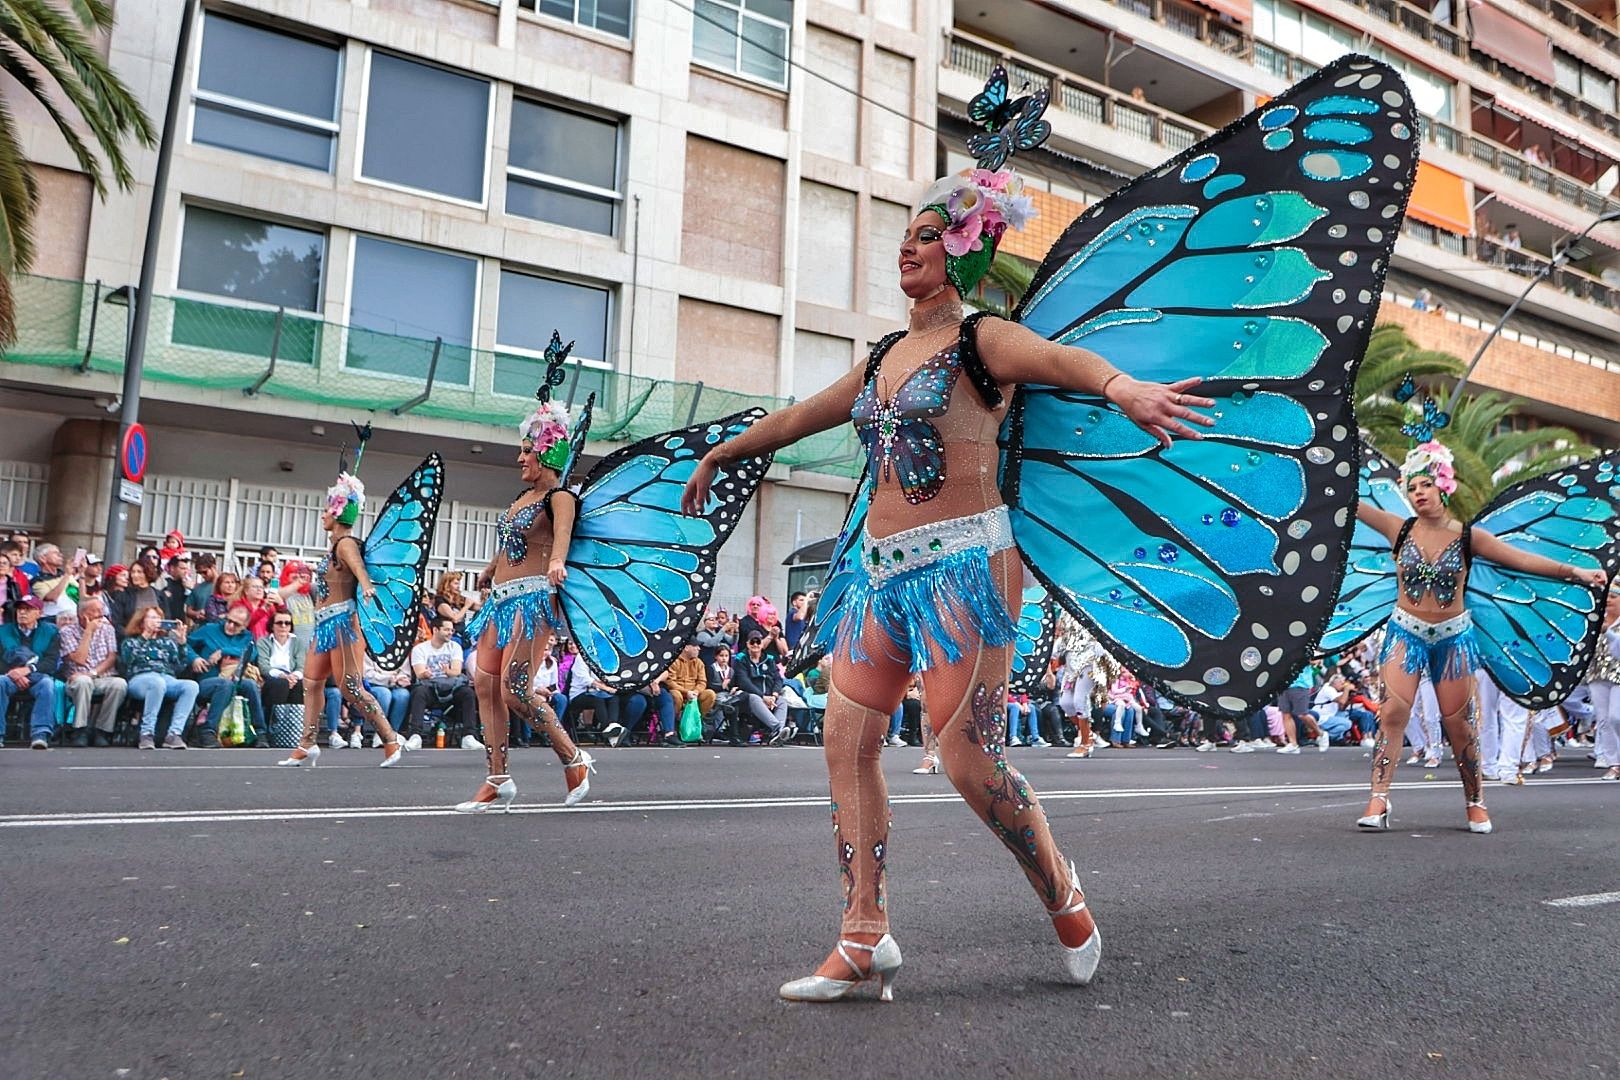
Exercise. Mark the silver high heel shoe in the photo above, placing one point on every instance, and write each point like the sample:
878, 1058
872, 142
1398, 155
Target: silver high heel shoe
312, 757
580, 760
1079, 963
1478, 826
505, 794
1376, 821
885, 965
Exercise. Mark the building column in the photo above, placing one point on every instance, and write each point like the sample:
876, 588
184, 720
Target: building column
83, 460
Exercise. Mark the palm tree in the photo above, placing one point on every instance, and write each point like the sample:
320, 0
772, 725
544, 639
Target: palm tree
47, 47
1391, 356
1011, 275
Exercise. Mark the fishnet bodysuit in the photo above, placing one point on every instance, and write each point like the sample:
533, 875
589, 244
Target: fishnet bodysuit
346, 663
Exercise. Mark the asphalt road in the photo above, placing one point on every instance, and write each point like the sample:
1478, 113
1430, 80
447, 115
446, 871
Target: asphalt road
204, 915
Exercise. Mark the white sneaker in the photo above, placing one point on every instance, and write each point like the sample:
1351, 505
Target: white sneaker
356, 741
1010, 742
412, 743
1041, 743
1602, 764
895, 740
336, 742
468, 742
613, 733
1368, 743
1291, 748
1242, 748
376, 741
1322, 742
1206, 747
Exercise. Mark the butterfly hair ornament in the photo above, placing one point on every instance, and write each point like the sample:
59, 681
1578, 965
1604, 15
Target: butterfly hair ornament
546, 429
347, 494
979, 205
1429, 456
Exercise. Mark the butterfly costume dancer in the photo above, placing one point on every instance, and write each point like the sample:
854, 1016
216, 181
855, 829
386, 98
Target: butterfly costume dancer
615, 566
1528, 612
1253, 263
366, 592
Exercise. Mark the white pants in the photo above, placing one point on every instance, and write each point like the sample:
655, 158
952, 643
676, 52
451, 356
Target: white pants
1490, 731
1076, 700
1512, 724
1606, 721
1541, 724
1423, 728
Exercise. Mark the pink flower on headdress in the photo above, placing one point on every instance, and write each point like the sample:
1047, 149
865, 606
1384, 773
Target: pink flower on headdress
546, 426
347, 489
1434, 460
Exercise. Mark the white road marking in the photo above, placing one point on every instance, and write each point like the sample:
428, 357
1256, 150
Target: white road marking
1589, 900
643, 806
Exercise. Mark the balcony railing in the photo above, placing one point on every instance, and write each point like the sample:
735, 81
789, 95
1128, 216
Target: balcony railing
1583, 23
1196, 23
1076, 96
1567, 279
1515, 166
265, 360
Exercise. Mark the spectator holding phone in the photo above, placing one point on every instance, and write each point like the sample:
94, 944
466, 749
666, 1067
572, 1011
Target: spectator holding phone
56, 585
152, 659
28, 654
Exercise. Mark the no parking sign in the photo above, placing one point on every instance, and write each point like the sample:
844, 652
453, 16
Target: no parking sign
132, 459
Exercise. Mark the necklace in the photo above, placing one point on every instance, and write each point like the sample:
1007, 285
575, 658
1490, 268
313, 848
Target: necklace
934, 318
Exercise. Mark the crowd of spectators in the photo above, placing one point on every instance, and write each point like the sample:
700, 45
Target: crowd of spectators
94, 654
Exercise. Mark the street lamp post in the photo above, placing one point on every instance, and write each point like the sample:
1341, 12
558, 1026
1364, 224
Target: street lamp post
141, 300
1540, 275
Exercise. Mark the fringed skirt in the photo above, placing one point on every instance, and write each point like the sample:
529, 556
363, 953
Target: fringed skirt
930, 591
1446, 650
335, 626
529, 597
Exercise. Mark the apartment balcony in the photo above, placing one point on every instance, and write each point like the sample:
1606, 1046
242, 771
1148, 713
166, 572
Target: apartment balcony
1087, 118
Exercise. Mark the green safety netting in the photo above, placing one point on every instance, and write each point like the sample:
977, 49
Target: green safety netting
72, 324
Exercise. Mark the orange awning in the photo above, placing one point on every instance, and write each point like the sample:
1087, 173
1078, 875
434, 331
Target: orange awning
1054, 214
1440, 198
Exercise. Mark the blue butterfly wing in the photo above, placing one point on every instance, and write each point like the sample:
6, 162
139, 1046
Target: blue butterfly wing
1037, 630
1255, 261
831, 606
987, 104
1536, 635
1368, 591
396, 554
639, 571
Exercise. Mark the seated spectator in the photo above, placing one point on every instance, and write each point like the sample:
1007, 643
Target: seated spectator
225, 647
722, 680
226, 586
711, 637
134, 596
1019, 708
262, 605
149, 558
660, 703
1330, 707
1124, 710
760, 680
908, 714
545, 688
441, 681
268, 554
588, 695
176, 586
205, 570
392, 689
449, 601
57, 583
174, 545
28, 653
152, 659
13, 587
688, 680
24, 559
280, 657
89, 670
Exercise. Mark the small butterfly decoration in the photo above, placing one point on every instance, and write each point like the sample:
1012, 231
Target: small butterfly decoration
1406, 391
1423, 428
1010, 124
556, 354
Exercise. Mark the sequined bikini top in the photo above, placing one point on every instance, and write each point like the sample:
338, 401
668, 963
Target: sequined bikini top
898, 432
512, 530
1418, 575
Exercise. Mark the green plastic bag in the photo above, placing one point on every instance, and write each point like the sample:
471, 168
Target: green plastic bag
690, 728
235, 729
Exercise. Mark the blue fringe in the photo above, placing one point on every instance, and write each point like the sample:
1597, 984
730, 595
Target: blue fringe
942, 606
534, 607
335, 630
1449, 658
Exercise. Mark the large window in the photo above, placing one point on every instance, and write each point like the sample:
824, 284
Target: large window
426, 128
564, 167
1321, 42
609, 16
266, 93
401, 299
259, 263
531, 307
744, 37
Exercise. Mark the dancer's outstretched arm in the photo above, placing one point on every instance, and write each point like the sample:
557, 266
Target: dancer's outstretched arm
1385, 522
1014, 353
784, 427
1488, 546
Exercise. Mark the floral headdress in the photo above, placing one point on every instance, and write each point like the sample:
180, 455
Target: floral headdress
345, 497
978, 206
1429, 456
546, 429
